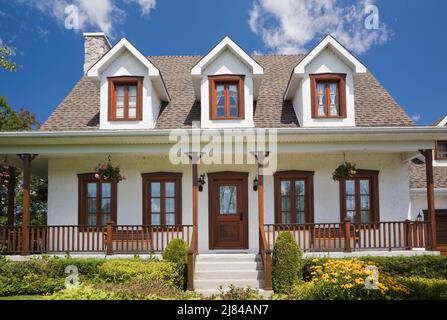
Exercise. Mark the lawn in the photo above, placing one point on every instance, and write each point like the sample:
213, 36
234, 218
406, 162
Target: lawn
35, 297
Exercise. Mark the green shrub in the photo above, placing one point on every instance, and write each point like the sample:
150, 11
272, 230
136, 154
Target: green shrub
235, 293
150, 270
347, 279
83, 293
176, 251
287, 268
426, 289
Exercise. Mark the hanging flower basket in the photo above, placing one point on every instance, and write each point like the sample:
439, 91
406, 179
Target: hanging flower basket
8, 172
202, 182
106, 172
345, 171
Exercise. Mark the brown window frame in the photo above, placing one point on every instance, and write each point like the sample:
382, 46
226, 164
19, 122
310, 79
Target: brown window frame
373, 177
125, 81
295, 175
327, 78
83, 180
162, 177
437, 157
227, 80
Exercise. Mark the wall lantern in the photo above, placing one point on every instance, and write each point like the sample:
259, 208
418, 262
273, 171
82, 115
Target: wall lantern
419, 217
201, 182
255, 184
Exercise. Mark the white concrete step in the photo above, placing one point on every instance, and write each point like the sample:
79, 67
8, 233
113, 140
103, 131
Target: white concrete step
228, 257
228, 266
210, 292
215, 284
228, 275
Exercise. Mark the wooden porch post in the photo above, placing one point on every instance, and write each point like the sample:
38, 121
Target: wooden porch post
430, 195
195, 195
26, 158
11, 201
260, 158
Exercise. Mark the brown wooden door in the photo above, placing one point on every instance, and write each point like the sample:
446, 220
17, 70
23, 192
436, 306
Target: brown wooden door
228, 210
441, 225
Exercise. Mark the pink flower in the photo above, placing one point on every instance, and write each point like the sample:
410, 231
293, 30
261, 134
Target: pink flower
97, 175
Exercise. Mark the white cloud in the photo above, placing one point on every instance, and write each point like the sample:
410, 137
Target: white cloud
416, 117
145, 5
94, 15
290, 26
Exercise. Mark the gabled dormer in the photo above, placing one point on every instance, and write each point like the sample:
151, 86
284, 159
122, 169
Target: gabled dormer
131, 88
321, 86
226, 82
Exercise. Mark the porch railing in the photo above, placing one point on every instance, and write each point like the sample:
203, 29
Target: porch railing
110, 239
347, 236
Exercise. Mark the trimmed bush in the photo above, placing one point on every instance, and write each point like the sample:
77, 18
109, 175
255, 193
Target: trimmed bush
287, 268
347, 279
426, 289
118, 271
177, 252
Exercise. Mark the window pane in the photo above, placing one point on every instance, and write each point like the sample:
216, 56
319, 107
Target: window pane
91, 190
106, 217
285, 188
155, 189
120, 113
285, 203
170, 218
300, 203
170, 189
220, 95
233, 100
228, 199
106, 190
220, 112
132, 113
299, 187
365, 203
105, 205
286, 218
120, 102
365, 216
170, 205
91, 219
334, 99
321, 99
132, 91
442, 150
91, 205
350, 202
350, 215
155, 219
155, 205
350, 187
364, 187
300, 219
119, 91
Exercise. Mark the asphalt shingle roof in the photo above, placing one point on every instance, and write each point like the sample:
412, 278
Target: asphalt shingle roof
373, 104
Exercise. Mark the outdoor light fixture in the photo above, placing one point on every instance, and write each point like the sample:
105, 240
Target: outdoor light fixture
255, 184
419, 217
202, 182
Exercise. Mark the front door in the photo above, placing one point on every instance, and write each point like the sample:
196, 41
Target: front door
228, 210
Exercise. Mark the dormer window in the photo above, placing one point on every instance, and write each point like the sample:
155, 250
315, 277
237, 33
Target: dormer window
226, 97
328, 92
125, 98
441, 150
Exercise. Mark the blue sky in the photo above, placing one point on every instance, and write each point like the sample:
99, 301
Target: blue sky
406, 53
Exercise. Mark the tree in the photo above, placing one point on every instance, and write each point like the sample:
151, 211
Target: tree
11, 120
5, 62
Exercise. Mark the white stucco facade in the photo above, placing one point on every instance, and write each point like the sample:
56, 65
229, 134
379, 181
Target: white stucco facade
394, 193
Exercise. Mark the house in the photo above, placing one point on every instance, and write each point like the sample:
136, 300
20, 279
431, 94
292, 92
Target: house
419, 197
225, 151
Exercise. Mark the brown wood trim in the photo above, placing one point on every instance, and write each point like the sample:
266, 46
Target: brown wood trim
437, 157
123, 80
162, 177
307, 176
373, 176
85, 178
239, 79
227, 176
333, 77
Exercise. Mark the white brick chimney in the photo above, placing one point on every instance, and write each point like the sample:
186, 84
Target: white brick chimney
96, 44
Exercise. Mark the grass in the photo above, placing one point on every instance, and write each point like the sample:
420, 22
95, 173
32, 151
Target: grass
23, 298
